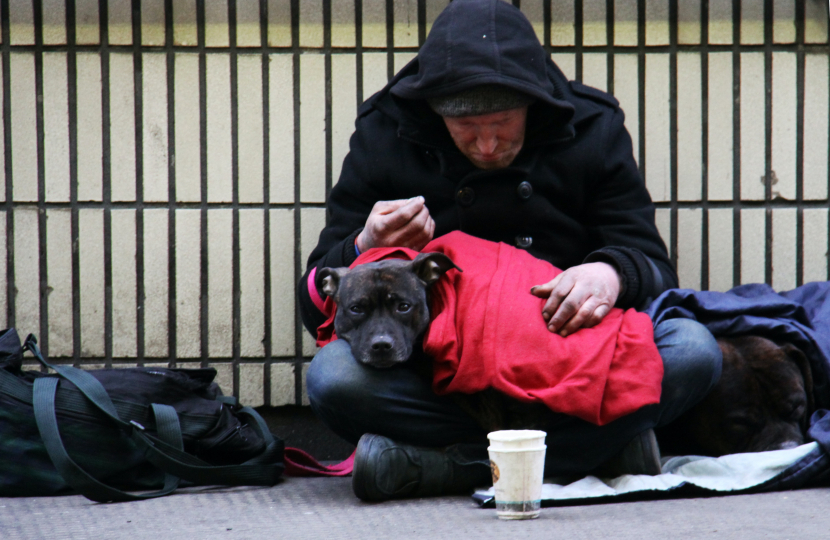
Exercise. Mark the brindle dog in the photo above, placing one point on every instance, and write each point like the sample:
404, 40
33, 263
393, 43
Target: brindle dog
382, 306
382, 311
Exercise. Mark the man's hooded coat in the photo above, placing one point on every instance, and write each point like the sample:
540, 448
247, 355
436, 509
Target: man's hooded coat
572, 195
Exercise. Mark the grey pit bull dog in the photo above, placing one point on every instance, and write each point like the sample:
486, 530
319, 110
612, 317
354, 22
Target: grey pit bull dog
382, 306
382, 310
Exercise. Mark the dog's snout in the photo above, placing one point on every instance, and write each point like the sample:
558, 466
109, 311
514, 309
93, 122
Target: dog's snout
381, 344
788, 444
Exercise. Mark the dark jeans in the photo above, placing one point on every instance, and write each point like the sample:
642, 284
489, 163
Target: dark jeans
353, 399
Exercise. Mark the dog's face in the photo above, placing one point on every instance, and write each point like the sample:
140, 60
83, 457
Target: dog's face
762, 402
382, 306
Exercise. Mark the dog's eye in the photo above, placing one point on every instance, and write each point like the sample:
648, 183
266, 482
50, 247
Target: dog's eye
403, 307
745, 423
796, 410
356, 309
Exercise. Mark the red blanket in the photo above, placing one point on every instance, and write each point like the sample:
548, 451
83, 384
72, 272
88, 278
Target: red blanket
487, 331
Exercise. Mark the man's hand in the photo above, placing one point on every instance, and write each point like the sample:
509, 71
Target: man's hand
401, 223
579, 297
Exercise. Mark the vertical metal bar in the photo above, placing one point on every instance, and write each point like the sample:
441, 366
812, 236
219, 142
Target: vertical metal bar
138, 82
328, 97
422, 21
266, 196
641, 80
390, 39
103, 8
578, 38
7, 148
609, 40
673, 22
298, 262
203, 206
547, 22
799, 143
736, 141
171, 181
235, 285
41, 180
827, 275
704, 144
72, 94
768, 172
358, 48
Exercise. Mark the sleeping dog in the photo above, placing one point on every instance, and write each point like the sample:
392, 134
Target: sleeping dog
763, 401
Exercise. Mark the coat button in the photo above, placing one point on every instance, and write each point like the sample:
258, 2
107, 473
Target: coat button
525, 190
465, 196
524, 242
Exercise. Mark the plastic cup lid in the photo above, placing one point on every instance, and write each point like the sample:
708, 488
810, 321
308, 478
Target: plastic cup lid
516, 439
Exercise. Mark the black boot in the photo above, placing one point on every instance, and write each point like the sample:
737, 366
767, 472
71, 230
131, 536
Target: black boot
640, 456
384, 469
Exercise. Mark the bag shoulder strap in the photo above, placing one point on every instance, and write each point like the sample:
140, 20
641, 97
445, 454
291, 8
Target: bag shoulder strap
300, 463
81, 481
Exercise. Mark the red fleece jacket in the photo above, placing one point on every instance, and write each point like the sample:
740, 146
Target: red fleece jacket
487, 331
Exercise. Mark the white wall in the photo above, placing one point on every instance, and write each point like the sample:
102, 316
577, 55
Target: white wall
165, 177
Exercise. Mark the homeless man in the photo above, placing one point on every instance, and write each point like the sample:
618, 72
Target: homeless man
482, 133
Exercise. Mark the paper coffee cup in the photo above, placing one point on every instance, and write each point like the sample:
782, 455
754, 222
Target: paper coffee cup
517, 460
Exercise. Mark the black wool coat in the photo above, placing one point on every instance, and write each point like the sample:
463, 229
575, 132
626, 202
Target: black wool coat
573, 194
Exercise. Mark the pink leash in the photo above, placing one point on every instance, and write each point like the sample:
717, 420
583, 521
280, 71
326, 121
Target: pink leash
300, 463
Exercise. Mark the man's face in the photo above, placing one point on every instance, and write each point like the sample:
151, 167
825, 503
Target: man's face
490, 141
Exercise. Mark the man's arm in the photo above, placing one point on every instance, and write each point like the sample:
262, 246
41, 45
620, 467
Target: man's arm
622, 217
363, 212
633, 266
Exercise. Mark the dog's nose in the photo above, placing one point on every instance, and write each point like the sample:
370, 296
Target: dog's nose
381, 344
788, 444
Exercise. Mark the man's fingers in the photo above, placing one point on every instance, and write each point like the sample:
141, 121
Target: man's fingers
413, 232
560, 290
387, 207
401, 216
419, 220
563, 313
544, 290
598, 315
430, 227
589, 315
426, 235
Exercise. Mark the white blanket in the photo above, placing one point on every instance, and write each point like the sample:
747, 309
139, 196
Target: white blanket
735, 472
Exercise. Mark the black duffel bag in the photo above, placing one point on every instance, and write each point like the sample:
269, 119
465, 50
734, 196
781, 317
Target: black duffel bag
101, 432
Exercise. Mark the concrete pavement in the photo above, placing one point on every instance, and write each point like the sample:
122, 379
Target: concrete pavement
325, 508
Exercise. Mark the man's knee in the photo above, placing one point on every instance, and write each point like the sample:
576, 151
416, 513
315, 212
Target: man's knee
688, 345
334, 376
691, 364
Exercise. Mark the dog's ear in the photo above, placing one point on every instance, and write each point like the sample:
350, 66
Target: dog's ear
800, 359
429, 267
327, 280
